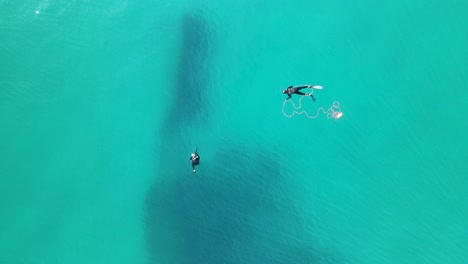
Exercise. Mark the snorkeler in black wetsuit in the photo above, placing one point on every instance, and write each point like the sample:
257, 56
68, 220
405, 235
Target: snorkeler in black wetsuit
195, 159
295, 90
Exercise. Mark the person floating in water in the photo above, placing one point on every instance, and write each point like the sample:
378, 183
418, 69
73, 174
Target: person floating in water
296, 90
195, 160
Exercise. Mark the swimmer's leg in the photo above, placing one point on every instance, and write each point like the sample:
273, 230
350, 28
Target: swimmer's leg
302, 87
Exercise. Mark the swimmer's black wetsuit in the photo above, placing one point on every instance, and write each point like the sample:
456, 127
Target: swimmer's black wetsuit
295, 90
195, 160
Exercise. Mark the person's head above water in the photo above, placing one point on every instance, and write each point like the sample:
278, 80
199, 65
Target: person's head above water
284, 91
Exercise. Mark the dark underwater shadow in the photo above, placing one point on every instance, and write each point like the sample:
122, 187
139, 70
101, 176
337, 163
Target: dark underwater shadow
240, 210
242, 213
193, 72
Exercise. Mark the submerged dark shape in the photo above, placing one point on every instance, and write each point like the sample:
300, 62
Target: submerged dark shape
240, 214
191, 88
192, 80
240, 210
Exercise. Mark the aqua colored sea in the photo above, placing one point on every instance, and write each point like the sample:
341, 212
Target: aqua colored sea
102, 103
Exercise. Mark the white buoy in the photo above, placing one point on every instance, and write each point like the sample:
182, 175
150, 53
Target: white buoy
37, 12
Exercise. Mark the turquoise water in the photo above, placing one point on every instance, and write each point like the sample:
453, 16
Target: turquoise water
102, 103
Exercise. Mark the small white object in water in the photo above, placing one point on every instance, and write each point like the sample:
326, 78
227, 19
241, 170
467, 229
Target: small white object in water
37, 12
